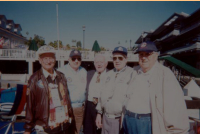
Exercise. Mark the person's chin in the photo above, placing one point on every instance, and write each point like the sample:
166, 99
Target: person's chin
118, 68
117, 65
145, 64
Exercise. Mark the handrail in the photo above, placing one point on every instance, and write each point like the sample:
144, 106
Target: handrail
13, 82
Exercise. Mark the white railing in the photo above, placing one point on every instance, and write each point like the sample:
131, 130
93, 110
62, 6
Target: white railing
17, 54
20, 54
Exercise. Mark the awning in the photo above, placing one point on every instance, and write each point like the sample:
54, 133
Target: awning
195, 72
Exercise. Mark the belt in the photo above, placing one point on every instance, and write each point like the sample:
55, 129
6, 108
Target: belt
129, 113
112, 116
77, 104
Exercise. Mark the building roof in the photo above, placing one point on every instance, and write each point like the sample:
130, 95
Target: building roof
10, 21
2, 16
193, 17
18, 26
165, 27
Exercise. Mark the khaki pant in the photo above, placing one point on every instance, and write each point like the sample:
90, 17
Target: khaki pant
110, 126
78, 114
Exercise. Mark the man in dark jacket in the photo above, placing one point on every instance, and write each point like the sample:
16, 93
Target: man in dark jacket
94, 81
48, 107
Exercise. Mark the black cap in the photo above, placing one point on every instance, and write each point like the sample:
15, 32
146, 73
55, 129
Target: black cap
121, 50
75, 53
147, 46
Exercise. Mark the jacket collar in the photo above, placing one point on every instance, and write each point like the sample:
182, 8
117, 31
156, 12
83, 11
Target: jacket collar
153, 71
44, 80
46, 74
148, 72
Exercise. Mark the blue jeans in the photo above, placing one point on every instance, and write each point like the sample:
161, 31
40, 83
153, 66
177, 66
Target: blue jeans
132, 125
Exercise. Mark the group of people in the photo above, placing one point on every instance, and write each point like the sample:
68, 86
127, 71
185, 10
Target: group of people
146, 99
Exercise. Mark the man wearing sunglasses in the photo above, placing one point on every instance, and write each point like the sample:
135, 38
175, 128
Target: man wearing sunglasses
48, 106
155, 102
76, 81
113, 93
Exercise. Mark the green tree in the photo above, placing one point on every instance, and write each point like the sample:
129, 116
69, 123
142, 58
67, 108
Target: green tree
102, 49
68, 47
38, 39
78, 44
55, 44
28, 42
79, 48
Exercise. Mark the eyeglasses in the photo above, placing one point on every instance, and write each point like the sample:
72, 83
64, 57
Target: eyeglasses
50, 59
74, 59
119, 58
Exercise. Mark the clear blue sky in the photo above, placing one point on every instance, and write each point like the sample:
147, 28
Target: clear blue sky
106, 22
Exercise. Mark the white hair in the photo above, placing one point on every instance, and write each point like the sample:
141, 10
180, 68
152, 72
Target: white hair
101, 55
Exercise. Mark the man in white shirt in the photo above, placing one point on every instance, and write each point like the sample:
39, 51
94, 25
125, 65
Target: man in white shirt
155, 102
113, 93
95, 79
76, 81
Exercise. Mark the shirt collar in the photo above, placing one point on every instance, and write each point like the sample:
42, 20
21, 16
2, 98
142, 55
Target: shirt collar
46, 74
71, 69
102, 72
122, 70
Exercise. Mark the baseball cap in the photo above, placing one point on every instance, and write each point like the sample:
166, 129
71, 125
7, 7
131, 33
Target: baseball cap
75, 53
121, 50
147, 46
46, 49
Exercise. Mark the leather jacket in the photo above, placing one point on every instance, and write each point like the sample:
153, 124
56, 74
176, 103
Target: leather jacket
37, 100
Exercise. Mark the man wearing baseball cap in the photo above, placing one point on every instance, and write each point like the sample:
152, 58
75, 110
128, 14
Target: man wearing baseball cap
112, 97
48, 106
155, 102
76, 81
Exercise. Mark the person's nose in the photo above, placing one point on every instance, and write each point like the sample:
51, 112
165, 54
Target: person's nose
117, 60
144, 57
48, 60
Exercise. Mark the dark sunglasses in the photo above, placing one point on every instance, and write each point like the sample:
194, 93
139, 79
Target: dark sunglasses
73, 59
119, 58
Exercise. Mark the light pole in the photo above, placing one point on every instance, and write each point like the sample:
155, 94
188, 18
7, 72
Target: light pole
130, 44
59, 62
83, 35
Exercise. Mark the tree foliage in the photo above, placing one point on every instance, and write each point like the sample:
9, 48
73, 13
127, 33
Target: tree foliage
55, 44
102, 49
68, 47
78, 44
38, 39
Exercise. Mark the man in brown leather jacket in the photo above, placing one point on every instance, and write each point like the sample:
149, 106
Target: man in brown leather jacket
48, 107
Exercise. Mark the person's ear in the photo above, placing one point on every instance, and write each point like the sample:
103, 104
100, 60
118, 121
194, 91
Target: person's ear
40, 60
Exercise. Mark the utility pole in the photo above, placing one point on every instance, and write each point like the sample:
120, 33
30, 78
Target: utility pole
83, 36
57, 35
